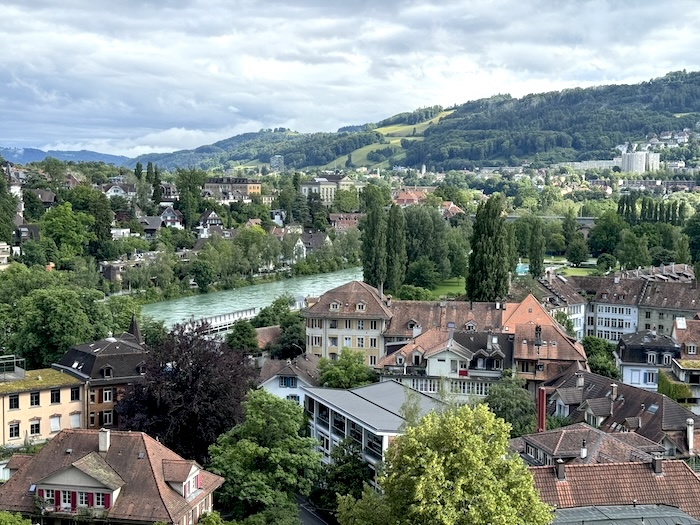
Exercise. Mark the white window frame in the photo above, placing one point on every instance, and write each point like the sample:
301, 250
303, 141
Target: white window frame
55, 423
107, 395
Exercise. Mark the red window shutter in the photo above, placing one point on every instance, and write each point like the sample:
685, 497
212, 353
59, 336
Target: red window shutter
40, 493
57, 498
107, 498
199, 482
73, 500
91, 499
99, 396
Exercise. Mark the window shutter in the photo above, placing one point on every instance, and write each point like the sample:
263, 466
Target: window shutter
99, 396
73, 500
91, 499
57, 498
199, 481
107, 498
40, 493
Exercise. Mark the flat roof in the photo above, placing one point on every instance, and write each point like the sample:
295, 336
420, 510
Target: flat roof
624, 515
38, 380
378, 405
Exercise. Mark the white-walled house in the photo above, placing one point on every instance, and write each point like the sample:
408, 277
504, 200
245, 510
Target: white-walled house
286, 378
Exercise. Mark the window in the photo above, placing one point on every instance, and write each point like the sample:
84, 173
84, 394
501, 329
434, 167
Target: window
294, 398
667, 359
82, 499
333, 341
108, 418
416, 359
348, 324
75, 393
373, 342
14, 430
651, 358
480, 363
360, 307
333, 323
333, 356
400, 360
55, 423
360, 324
34, 399
107, 395
49, 496
647, 326
75, 420
453, 366
360, 342
55, 396
348, 342
497, 364
14, 401
372, 360
107, 371
288, 382
92, 395
650, 377
691, 349
35, 427
316, 340
99, 499
661, 327
373, 325
92, 419
647, 315
334, 306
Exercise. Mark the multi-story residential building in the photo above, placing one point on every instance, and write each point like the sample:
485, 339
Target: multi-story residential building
662, 302
352, 316
277, 163
37, 404
221, 186
640, 162
612, 309
327, 185
126, 478
641, 355
287, 378
106, 368
560, 296
459, 364
370, 415
685, 370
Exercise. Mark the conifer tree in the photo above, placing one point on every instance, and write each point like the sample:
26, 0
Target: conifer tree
537, 246
374, 247
487, 275
396, 258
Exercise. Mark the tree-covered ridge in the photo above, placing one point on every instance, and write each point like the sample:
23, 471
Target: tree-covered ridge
573, 124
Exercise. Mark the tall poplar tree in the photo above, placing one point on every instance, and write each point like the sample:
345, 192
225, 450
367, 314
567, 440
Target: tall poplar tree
374, 247
396, 258
487, 275
537, 246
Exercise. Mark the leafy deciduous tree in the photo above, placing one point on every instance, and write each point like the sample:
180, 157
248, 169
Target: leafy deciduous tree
348, 371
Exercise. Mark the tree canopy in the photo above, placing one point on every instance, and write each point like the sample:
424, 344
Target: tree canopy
453, 468
348, 371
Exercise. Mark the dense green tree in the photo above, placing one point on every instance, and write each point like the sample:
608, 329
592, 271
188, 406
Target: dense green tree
68, 229
374, 246
203, 274
422, 273
265, 458
149, 172
97, 206
456, 469
157, 194
600, 356
348, 371
692, 230
33, 207
565, 321
346, 201
396, 257
683, 250
577, 252
487, 277
192, 393
537, 247
606, 234
510, 400
292, 337
273, 314
632, 251
409, 292
242, 337
569, 227
138, 171
189, 184
606, 262
10, 518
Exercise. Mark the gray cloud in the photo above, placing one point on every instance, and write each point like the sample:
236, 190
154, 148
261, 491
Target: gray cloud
135, 76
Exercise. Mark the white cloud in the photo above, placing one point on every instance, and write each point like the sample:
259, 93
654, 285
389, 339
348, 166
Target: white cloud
131, 77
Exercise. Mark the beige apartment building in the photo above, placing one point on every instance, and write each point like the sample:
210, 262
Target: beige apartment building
36, 404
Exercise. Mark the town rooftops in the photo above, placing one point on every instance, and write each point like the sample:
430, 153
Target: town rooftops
353, 299
133, 461
610, 290
619, 484
623, 515
674, 295
378, 406
304, 367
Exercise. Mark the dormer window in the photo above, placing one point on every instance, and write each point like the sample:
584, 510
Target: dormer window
413, 324
416, 359
470, 326
335, 306
651, 358
667, 359
691, 349
400, 360
107, 371
360, 307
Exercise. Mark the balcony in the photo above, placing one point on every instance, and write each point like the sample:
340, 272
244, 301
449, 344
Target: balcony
399, 370
322, 420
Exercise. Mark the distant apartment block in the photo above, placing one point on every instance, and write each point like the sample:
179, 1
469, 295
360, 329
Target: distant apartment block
327, 185
640, 162
223, 186
277, 163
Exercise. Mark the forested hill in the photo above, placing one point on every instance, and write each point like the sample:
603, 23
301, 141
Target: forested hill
574, 124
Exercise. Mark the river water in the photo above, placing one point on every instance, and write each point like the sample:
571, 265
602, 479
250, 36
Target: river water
259, 295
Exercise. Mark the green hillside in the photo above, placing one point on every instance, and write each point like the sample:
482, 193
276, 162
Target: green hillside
568, 125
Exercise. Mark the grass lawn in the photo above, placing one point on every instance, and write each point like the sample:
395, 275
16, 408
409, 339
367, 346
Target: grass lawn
406, 130
451, 287
577, 271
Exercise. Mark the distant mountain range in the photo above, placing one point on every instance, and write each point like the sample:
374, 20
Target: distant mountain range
569, 125
25, 155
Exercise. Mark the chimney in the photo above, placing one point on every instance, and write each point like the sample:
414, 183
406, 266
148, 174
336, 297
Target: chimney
690, 434
549, 277
579, 380
617, 279
584, 450
656, 465
541, 409
103, 440
613, 393
559, 470
388, 301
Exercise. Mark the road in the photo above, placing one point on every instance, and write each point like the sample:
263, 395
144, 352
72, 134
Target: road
306, 513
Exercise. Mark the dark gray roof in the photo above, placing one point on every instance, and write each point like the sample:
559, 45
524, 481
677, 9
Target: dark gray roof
633, 348
624, 515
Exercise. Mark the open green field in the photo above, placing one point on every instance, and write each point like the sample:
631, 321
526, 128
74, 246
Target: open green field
576, 271
359, 156
451, 287
406, 130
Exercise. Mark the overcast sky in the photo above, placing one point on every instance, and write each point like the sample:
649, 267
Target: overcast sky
131, 77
